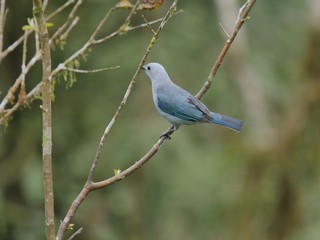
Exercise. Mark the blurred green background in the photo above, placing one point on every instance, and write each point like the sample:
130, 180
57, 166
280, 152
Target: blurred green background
207, 182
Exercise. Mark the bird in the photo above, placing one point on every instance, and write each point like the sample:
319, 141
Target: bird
179, 106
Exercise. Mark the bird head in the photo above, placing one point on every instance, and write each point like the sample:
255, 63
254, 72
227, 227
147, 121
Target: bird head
155, 72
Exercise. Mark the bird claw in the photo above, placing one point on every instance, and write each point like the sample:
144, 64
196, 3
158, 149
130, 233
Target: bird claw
167, 133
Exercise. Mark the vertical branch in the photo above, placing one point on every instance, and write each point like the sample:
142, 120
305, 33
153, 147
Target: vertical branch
2, 22
22, 94
46, 118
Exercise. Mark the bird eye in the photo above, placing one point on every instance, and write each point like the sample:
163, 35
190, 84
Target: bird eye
148, 68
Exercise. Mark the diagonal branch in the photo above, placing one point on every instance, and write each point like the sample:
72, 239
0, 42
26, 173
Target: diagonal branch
242, 17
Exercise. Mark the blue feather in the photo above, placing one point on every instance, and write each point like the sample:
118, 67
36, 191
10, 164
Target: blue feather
226, 121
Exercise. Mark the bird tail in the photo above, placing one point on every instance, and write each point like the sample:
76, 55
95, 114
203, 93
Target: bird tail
226, 121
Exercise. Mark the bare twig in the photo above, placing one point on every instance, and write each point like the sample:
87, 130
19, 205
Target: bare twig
224, 30
22, 93
46, 117
76, 234
69, 21
67, 31
242, 16
90, 185
3, 13
59, 9
90, 71
148, 24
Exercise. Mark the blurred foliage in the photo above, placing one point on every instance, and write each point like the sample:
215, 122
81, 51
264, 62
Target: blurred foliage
207, 182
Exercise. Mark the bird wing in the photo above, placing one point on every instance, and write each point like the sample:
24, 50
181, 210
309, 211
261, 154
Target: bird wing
183, 105
199, 105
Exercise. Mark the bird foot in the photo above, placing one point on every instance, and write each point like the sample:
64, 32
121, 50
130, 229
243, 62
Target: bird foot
167, 133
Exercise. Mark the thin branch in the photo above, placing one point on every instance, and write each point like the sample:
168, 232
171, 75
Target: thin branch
22, 93
148, 24
224, 30
137, 165
71, 26
59, 9
69, 21
90, 71
90, 185
152, 22
242, 17
10, 95
76, 234
3, 13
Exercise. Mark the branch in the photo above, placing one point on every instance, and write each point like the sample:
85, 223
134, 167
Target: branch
3, 13
90, 71
59, 9
90, 185
68, 22
242, 17
46, 118
76, 234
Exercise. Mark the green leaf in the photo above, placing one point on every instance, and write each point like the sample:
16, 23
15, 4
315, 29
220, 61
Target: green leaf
27, 27
49, 24
116, 171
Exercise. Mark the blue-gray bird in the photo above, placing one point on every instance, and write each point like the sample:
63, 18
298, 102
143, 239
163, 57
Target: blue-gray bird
179, 106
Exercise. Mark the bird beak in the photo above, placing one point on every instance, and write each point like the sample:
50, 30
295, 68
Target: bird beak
144, 68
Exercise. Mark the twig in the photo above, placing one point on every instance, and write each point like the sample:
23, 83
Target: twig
224, 30
152, 22
90, 185
46, 118
242, 16
3, 13
76, 234
22, 93
90, 71
67, 23
59, 9
13, 89
71, 26
148, 24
